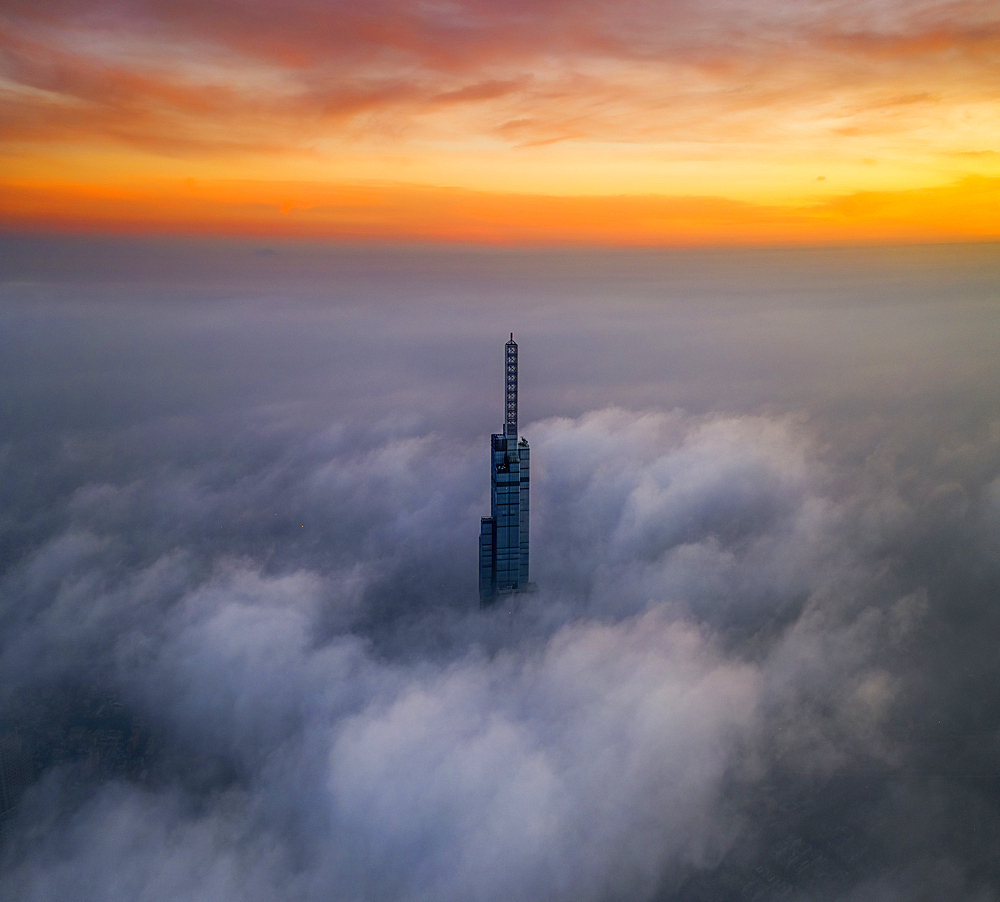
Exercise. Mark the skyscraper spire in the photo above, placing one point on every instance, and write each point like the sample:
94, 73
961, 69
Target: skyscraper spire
503, 536
510, 423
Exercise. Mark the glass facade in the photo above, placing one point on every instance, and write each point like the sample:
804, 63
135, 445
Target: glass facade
503, 536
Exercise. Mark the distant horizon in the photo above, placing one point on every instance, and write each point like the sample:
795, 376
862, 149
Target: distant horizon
952, 214
267, 241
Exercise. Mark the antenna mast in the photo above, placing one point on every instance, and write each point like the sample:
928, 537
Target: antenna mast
510, 425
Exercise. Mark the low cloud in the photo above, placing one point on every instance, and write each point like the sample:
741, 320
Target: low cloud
698, 623
244, 649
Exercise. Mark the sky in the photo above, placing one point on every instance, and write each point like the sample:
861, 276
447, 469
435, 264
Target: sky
241, 643
528, 122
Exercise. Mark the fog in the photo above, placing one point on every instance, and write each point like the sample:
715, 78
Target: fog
242, 655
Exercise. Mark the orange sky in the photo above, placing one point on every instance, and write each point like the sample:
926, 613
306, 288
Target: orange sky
539, 121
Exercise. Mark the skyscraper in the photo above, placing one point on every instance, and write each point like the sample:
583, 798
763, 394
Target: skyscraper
503, 536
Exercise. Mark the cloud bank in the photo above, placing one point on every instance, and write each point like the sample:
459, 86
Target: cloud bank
243, 643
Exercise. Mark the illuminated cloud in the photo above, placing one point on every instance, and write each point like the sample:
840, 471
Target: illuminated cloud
749, 103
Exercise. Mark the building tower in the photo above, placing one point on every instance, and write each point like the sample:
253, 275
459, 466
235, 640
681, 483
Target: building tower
503, 536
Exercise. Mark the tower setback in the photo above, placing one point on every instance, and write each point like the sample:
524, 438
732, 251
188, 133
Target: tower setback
503, 536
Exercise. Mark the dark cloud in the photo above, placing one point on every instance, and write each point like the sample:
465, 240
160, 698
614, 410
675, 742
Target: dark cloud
240, 642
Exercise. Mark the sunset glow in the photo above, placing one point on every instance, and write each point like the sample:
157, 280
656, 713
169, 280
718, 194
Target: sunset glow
531, 121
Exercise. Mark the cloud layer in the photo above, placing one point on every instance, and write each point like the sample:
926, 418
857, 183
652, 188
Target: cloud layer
240, 634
